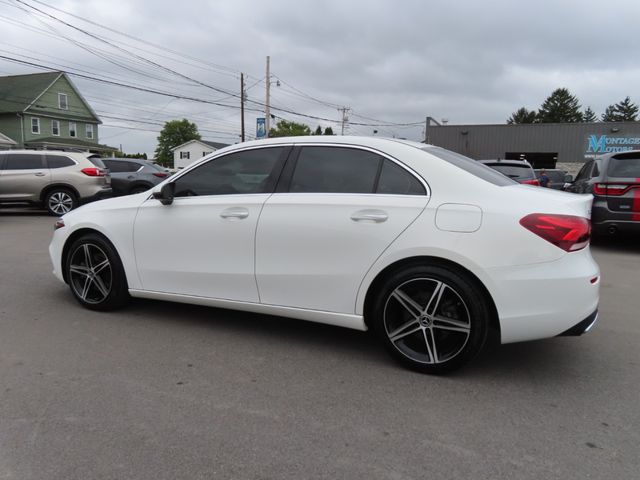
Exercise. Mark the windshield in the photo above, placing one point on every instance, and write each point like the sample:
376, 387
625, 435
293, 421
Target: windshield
517, 172
624, 167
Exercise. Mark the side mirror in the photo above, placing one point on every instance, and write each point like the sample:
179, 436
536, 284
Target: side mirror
568, 178
166, 193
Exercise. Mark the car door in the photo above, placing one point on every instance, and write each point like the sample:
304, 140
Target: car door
23, 177
203, 243
338, 210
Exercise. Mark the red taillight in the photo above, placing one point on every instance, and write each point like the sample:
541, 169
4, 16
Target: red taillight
160, 174
567, 232
59, 224
530, 182
93, 172
613, 189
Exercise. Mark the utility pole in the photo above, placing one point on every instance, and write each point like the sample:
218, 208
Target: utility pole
345, 117
242, 107
267, 112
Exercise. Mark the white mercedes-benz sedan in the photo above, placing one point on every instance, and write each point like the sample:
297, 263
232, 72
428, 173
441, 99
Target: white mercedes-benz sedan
432, 250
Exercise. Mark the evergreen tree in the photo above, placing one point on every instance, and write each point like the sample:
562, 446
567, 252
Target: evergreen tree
328, 131
624, 111
560, 107
589, 115
522, 115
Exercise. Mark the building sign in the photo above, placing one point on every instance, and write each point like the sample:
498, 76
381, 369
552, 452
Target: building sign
599, 144
261, 131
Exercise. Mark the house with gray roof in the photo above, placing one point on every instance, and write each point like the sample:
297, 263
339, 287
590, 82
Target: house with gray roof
193, 150
46, 111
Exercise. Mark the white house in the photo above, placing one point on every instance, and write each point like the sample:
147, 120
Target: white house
193, 150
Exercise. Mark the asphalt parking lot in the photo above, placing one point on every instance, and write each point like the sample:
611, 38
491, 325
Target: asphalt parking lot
168, 391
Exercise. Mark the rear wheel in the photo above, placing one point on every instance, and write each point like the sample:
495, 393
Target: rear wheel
60, 201
95, 274
431, 318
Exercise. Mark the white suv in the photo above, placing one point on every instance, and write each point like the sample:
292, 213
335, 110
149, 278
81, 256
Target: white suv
59, 181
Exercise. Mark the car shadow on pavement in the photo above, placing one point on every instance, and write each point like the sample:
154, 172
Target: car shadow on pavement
551, 359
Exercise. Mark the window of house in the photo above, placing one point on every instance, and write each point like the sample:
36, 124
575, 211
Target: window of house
89, 130
335, 170
55, 128
35, 125
251, 171
62, 101
185, 155
204, 154
72, 129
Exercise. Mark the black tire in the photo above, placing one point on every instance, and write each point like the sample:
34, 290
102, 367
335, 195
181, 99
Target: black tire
433, 319
95, 274
59, 201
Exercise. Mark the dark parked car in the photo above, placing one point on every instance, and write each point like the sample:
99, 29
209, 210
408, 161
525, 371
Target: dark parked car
558, 178
129, 175
614, 181
519, 170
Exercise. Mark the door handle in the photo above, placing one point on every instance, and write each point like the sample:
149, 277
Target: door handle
235, 212
370, 215
40, 174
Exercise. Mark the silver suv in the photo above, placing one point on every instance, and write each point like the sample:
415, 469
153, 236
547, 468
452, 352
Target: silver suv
59, 181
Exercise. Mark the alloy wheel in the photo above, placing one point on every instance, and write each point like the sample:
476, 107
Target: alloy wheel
427, 321
60, 203
90, 273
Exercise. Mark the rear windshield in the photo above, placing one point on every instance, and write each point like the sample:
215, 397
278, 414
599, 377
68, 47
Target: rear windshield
97, 161
517, 172
624, 167
470, 165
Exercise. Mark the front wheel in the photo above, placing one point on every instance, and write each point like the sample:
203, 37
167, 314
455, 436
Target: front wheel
431, 318
95, 274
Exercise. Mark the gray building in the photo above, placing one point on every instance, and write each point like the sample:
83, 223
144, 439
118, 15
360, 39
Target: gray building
542, 144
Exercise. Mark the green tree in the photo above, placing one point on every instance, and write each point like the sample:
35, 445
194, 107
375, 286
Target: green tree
522, 115
589, 115
318, 131
174, 133
285, 128
328, 131
624, 111
560, 107
141, 156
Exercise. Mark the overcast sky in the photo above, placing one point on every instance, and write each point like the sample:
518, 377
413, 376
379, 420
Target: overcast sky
391, 62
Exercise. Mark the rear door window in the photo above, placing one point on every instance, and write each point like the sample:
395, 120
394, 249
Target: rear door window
57, 161
335, 170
